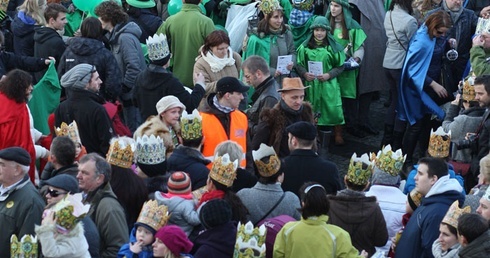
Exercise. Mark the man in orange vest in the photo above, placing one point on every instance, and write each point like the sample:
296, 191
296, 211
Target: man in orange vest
221, 119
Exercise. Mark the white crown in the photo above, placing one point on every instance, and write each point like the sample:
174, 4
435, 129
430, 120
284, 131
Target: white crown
150, 150
483, 26
157, 47
250, 241
263, 151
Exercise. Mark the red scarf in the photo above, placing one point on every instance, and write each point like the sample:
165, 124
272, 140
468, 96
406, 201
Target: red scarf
215, 194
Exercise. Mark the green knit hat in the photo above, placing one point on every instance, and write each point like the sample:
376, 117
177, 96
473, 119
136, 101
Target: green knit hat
320, 22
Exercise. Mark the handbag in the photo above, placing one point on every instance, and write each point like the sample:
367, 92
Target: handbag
461, 168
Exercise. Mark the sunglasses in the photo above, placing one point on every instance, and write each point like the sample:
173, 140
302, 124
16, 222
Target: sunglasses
55, 193
92, 70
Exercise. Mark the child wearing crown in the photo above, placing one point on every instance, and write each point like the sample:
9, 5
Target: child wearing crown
61, 232
152, 217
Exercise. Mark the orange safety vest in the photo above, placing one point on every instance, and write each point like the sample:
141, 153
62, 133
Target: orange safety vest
214, 134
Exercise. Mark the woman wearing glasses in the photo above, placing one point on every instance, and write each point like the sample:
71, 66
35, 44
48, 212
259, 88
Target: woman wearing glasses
421, 90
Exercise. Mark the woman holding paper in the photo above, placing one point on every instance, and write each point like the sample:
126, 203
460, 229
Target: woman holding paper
273, 41
320, 61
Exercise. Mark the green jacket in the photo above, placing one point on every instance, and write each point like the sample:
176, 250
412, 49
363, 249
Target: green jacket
478, 59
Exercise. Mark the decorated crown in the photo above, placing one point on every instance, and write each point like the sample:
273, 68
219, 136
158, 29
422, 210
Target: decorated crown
415, 197
304, 5
454, 212
70, 130
269, 6
483, 25
25, 248
69, 211
250, 242
468, 89
272, 166
150, 150
224, 170
157, 47
389, 161
439, 143
360, 169
121, 152
153, 215
191, 125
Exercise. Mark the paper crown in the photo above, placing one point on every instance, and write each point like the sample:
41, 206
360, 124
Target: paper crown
250, 241
153, 215
482, 26
270, 168
191, 125
121, 152
414, 199
70, 130
69, 211
469, 89
304, 5
454, 212
150, 150
25, 248
439, 143
269, 6
389, 161
224, 170
157, 47
360, 169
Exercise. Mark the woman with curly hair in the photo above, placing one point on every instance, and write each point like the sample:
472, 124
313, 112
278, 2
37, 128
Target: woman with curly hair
29, 16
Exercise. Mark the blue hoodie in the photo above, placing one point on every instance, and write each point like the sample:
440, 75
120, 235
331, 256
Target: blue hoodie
147, 251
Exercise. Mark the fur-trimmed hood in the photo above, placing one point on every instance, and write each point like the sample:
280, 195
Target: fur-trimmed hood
154, 125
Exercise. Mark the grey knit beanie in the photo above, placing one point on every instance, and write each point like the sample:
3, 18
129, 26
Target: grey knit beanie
382, 178
77, 77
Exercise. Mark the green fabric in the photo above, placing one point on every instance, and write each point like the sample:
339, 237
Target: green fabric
45, 99
287, 7
387, 5
348, 78
73, 22
478, 59
301, 33
321, 22
144, 48
324, 96
350, 23
257, 46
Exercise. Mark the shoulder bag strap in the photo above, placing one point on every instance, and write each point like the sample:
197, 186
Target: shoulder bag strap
273, 207
394, 32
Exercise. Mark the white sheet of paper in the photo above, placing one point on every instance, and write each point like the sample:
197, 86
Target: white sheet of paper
316, 68
282, 63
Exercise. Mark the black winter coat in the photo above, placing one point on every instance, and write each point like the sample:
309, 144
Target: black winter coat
10, 61
147, 21
47, 42
192, 162
23, 30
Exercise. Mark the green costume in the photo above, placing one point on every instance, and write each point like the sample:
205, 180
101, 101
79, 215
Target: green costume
356, 37
301, 33
186, 32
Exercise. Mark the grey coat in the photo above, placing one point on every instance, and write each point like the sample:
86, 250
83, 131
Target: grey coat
182, 212
261, 198
404, 26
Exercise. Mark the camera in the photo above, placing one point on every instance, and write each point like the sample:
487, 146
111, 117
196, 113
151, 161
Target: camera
470, 143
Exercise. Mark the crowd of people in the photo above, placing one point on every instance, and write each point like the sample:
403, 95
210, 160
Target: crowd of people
137, 132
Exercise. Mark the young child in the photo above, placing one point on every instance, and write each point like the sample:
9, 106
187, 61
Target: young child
171, 242
473, 236
179, 202
152, 217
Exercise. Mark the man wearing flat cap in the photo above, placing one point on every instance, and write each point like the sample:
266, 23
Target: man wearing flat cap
221, 119
84, 106
21, 206
290, 109
304, 165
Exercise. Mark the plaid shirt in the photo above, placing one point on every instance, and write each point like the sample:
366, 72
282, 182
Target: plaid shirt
299, 17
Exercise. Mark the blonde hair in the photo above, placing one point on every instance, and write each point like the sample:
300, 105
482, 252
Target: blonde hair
485, 168
34, 9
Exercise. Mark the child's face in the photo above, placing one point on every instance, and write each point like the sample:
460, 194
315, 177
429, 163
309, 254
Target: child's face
319, 33
159, 248
78, 149
144, 235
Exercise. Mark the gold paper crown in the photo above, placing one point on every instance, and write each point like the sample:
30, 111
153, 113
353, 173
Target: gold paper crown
454, 212
153, 215
468, 89
150, 150
270, 168
70, 130
121, 152
269, 6
157, 47
416, 197
69, 211
439, 143
26, 248
360, 169
389, 161
482, 26
224, 170
191, 125
250, 242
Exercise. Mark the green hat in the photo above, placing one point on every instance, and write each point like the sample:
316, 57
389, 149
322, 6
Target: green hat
344, 3
141, 3
320, 22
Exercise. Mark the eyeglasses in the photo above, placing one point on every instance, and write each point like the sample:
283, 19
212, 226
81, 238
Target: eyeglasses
92, 70
55, 193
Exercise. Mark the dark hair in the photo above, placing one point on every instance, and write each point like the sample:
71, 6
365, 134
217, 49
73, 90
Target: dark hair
110, 11
345, 31
436, 166
52, 11
64, 149
130, 190
305, 143
214, 39
451, 228
404, 4
263, 25
239, 210
314, 202
15, 85
354, 187
194, 143
270, 180
255, 63
437, 20
471, 226
102, 167
91, 28
485, 81
196, 2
